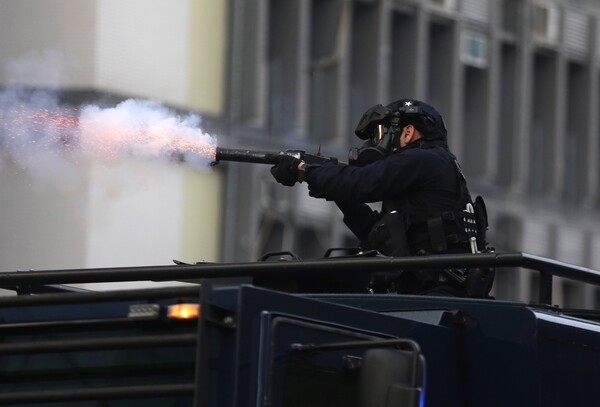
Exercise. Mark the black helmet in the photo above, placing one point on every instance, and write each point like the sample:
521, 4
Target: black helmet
423, 116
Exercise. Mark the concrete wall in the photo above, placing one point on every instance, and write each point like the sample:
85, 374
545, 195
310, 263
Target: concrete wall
47, 43
131, 212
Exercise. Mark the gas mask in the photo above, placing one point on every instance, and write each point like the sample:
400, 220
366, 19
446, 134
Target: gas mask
379, 128
375, 148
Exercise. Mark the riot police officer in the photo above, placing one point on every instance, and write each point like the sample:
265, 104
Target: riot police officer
405, 164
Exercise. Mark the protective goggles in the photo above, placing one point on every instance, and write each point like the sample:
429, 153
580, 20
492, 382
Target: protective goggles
372, 121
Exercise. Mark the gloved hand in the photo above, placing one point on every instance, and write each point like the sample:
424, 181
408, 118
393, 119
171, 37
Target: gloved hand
286, 170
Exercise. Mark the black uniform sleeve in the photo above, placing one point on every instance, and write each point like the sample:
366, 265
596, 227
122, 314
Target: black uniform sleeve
389, 178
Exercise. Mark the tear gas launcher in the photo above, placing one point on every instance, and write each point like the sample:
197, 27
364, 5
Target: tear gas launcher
269, 157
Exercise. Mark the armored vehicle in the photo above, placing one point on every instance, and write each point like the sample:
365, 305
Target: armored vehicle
282, 333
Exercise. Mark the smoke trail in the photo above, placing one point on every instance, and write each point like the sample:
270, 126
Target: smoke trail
36, 134
51, 141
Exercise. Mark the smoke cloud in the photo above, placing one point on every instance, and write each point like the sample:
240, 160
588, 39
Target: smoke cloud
146, 129
51, 141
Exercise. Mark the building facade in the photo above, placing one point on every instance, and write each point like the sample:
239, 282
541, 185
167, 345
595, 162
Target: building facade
516, 81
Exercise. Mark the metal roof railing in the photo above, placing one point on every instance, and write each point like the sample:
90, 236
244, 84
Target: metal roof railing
547, 268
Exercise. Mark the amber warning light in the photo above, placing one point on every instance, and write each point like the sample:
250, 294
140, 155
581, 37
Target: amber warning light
183, 311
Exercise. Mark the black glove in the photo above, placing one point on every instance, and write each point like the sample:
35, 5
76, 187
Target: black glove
286, 170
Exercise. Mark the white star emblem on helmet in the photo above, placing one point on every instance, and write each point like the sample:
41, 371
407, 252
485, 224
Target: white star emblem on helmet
408, 103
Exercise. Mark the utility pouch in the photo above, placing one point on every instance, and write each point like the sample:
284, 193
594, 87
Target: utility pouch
388, 236
482, 221
480, 279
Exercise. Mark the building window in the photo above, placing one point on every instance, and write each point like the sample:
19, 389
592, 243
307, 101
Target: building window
474, 49
511, 16
449, 5
546, 23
